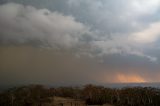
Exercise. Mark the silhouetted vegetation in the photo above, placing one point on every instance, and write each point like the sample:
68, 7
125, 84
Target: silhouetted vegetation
25, 96
36, 94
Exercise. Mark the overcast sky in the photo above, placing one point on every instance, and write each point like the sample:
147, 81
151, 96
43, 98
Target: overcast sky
72, 42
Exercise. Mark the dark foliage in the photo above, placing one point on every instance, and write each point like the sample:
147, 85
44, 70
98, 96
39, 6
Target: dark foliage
37, 94
25, 96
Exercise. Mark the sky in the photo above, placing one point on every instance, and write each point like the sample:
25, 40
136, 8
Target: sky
74, 42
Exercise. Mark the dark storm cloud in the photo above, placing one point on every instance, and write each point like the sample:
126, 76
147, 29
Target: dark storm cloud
24, 24
114, 34
28, 65
109, 16
34, 65
40, 27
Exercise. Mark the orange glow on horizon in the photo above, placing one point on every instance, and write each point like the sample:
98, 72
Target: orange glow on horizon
122, 78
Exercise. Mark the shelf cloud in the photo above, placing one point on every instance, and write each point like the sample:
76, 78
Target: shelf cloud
109, 34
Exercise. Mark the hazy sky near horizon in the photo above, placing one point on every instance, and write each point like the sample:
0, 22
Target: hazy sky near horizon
72, 42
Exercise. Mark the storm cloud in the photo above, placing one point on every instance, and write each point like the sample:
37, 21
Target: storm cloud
116, 37
40, 27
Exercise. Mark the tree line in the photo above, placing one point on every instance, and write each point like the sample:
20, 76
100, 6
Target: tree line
92, 94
